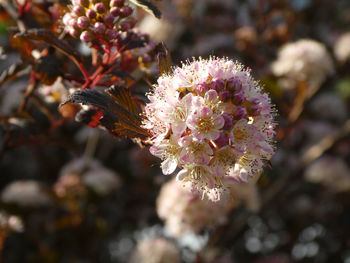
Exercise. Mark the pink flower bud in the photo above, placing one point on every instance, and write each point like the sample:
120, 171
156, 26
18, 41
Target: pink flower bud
238, 98
99, 28
100, 8
108, 18
234, 84
223, 140
132, 21
228, 121
115, 11
66, 18
91, 14
224, 95
86, 36
202, 88
73, 32
255, 109
125, 11
78, 10
111, 34
83, 22
125, 26
240, 112
217, 85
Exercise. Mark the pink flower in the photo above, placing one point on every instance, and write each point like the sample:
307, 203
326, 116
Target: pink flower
168, 151
194, 151
217, 118
204, 124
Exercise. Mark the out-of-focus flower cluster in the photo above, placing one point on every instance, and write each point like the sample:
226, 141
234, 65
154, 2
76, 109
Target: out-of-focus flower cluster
158, 250
83, 172
98, 21
211, 119
183, 211
342, 48
303, 61
10, 223
25, 193
330, 171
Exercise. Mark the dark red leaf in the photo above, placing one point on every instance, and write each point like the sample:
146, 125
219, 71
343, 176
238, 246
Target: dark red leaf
120, 116
164, 59
148, 6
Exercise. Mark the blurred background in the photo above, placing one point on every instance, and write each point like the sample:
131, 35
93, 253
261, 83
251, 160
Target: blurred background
71, 193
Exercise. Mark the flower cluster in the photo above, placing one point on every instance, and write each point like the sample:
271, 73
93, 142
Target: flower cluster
211, 119
98, 20
342, 48
86, 172
183, 211
303, 61
156, 250
9, 223
25, 193
330, 171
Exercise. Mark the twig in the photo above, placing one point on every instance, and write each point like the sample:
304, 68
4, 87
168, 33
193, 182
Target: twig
31, 87
91, 144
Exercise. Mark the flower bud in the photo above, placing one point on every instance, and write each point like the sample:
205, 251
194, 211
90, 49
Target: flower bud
73, 32
111, 34
234, 84
125, 11
132, 21
223, 140
228, 121
100, 8
99, 28
72, 22
108, 18
91, 14
86, 36
254, 109
125, 26
83, 22
66, 18
202, 88
240, 112
78, 10
238, 98
115, 11
224, 95
217, 85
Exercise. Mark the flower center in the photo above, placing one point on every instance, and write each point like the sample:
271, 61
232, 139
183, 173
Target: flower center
239, 135
205, 124
180, 114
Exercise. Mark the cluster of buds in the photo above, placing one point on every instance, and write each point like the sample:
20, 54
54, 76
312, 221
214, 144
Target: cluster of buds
100, 21
211, 119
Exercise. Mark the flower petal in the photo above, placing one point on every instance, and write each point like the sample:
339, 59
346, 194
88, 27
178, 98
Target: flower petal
178, 127
182, 175
169, 165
